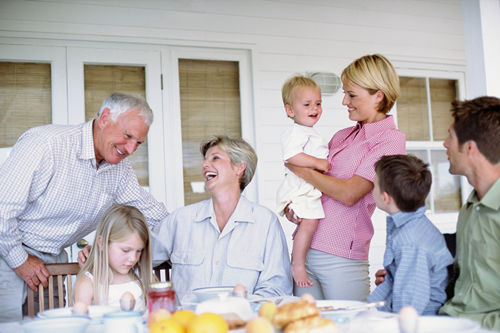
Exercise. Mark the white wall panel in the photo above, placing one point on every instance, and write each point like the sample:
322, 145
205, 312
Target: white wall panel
284, 37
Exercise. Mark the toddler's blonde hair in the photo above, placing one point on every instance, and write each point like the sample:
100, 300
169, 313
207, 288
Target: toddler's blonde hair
293, 83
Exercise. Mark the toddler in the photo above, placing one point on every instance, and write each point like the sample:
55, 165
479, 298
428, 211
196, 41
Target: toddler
303, 146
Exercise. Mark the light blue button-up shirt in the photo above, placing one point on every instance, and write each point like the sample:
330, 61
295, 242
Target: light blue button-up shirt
416, 259
251, 250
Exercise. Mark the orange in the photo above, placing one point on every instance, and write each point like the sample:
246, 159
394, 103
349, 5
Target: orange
166, 326
207, 323
183, 317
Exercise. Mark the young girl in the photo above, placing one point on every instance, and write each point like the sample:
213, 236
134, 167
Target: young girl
119, 262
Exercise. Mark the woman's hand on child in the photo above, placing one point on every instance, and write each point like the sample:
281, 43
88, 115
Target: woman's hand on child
290, 215
323, 165
83, 255
299, 171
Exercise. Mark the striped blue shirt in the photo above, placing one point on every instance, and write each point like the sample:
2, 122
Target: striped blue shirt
52, 193
416, 260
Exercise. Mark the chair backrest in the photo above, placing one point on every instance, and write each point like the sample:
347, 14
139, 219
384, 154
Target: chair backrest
58, 273
163, 267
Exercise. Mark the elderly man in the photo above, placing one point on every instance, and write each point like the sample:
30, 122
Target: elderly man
473, 148
55, 185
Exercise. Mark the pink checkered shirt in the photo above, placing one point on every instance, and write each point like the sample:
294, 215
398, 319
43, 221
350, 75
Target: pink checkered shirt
347, 231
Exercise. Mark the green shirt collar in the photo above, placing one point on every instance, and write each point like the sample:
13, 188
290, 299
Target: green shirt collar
491, 199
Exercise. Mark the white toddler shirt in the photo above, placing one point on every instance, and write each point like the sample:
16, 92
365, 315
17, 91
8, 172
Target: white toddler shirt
303, 198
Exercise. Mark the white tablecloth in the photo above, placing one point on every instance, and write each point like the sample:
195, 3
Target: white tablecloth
371, 321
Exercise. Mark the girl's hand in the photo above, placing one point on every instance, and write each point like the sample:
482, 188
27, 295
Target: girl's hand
290, 215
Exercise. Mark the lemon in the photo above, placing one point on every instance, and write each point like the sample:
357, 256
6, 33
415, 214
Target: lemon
166, 326
207, 323
267, 310
183, 317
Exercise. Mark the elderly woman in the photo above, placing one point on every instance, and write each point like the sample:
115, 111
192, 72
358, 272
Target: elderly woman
337, 261
225, 240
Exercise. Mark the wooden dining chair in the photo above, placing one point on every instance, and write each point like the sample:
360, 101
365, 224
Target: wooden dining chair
163, 267
58, 273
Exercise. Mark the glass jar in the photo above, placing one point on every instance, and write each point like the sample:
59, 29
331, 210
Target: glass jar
161, 296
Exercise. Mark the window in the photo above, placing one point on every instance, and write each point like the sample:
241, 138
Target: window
100, 82
423, 113
210, 105
25, 99
32, 90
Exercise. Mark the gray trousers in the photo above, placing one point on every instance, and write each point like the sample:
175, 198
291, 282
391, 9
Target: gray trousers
335, 277
13, 289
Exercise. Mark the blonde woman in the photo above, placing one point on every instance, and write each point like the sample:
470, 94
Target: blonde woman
337, 261
119, 261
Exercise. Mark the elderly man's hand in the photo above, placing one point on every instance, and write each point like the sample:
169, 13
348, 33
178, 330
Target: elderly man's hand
83, 255
33, 272
380, 276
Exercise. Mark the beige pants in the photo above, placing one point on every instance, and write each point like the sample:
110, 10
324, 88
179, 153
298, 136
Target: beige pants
13, 289
335, 277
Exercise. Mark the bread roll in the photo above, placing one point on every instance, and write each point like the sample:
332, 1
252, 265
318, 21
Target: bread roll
290, 312
314, 324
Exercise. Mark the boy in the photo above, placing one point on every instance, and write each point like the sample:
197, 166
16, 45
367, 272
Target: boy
416, 256
302, 146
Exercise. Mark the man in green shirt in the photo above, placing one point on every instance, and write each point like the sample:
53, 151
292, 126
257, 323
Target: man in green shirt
473, 149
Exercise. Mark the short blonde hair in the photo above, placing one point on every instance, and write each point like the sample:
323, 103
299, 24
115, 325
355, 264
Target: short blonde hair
293, 83
373, 73
239, 151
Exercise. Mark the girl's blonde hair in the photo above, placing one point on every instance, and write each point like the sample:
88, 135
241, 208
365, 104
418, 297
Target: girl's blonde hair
117, 223
374, 72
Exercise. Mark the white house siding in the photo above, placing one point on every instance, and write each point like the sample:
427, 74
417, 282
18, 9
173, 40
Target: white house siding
283, 37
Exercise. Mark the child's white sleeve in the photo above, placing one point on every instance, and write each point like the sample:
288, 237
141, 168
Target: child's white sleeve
293, 142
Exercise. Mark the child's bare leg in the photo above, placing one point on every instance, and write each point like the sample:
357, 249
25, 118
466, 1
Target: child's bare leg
301, 244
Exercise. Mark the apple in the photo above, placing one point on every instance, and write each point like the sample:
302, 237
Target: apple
157, 315
259, 325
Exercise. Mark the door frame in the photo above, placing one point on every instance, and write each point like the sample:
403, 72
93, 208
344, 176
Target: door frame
172, 112
80, 56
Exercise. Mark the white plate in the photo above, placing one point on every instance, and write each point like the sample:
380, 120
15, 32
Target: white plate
95, 312
203, 294
431, 324
56, 325
237, 305
343, 311
342, 305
